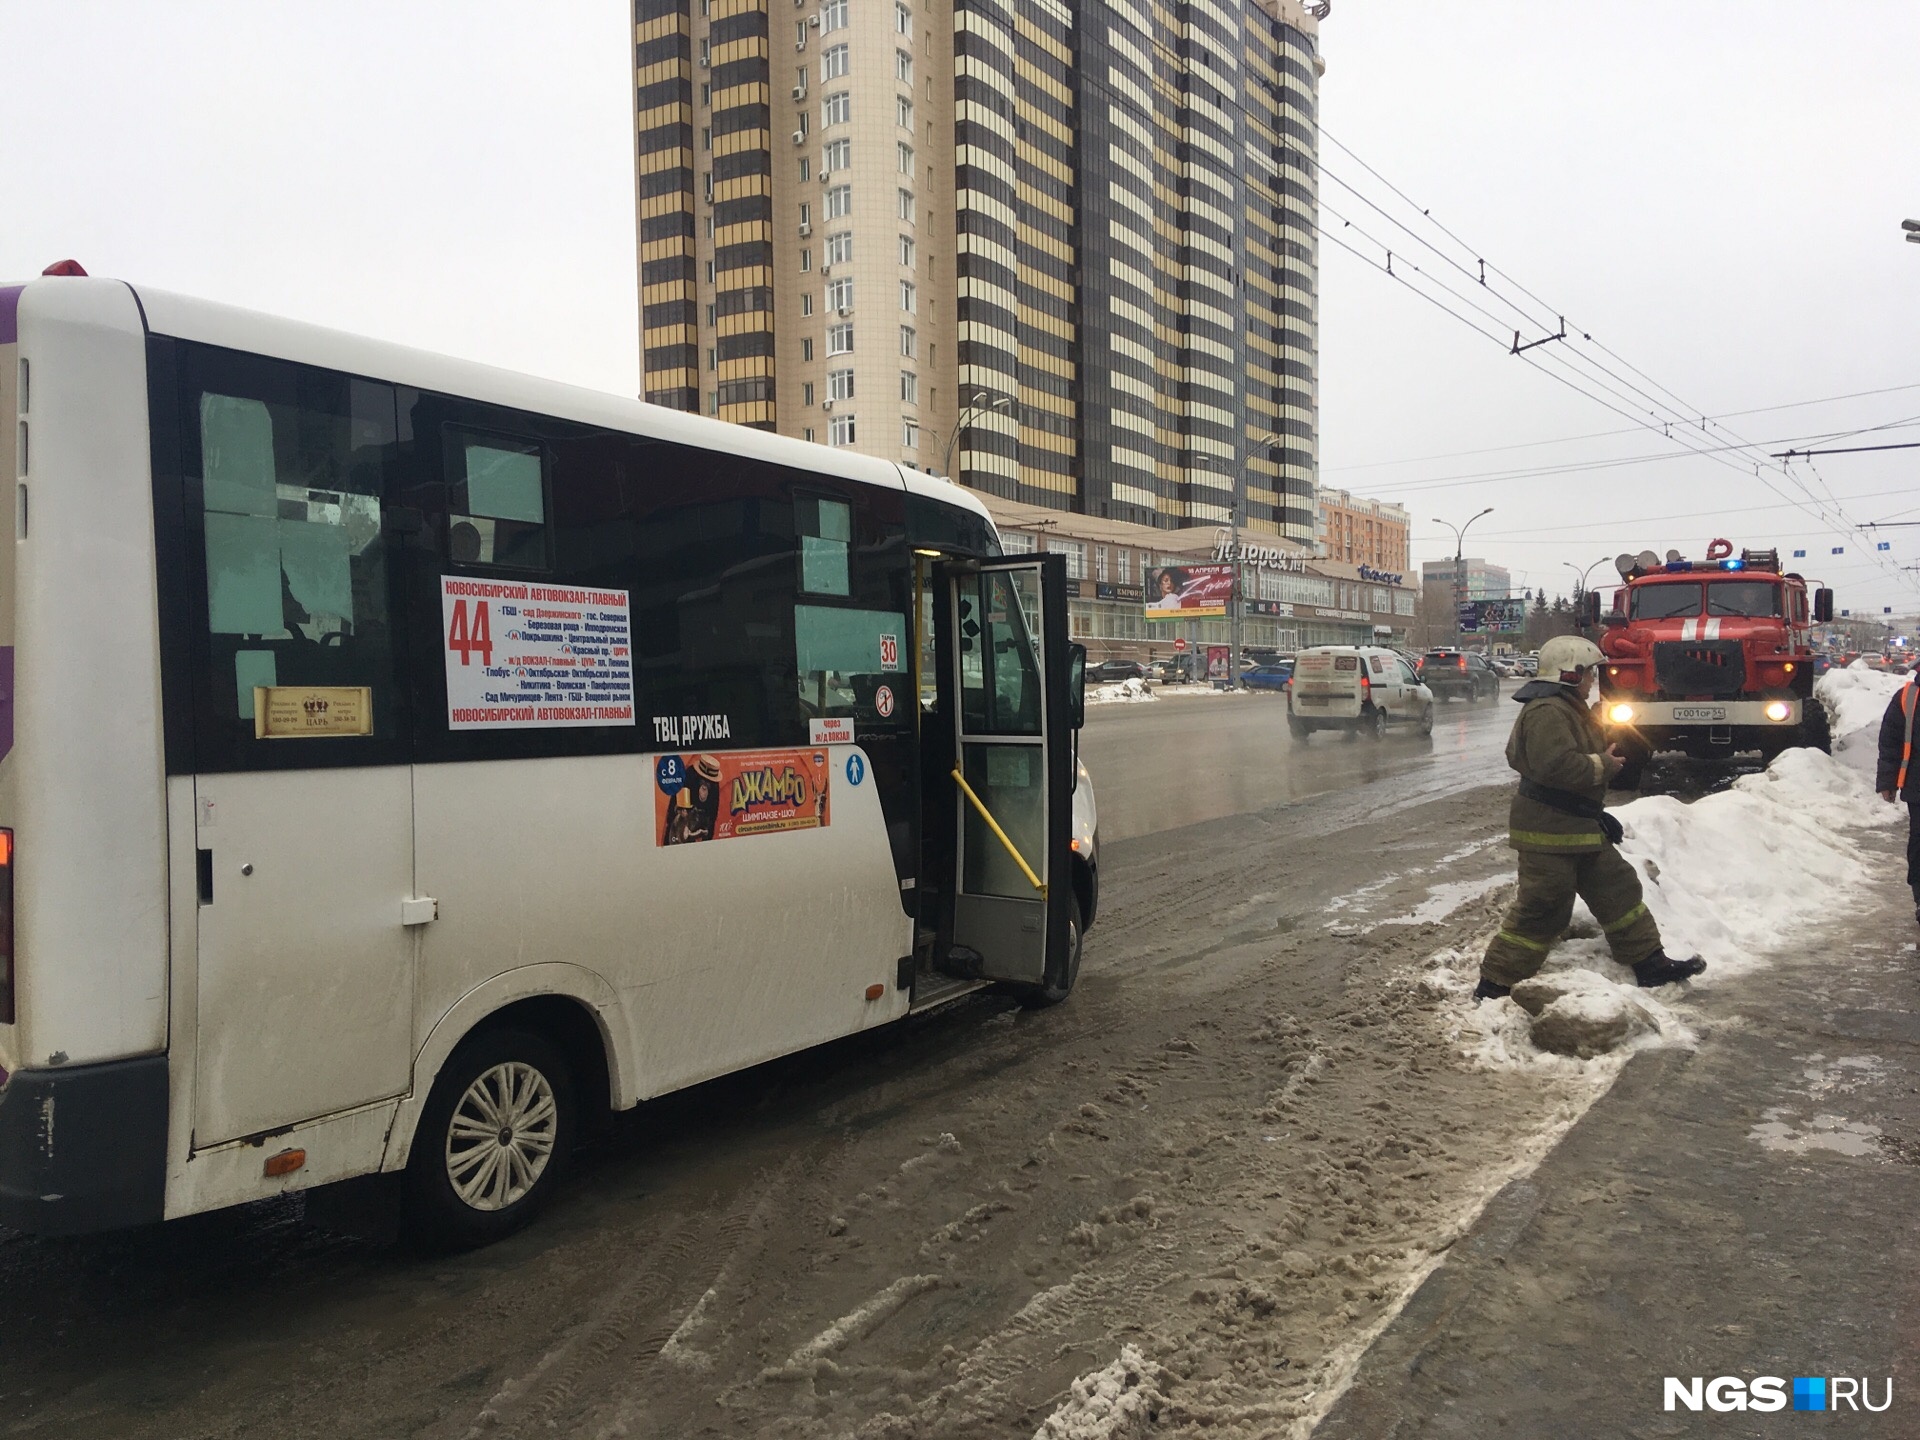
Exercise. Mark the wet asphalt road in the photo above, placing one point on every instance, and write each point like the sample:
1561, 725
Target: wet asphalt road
1191, 758
252, 1321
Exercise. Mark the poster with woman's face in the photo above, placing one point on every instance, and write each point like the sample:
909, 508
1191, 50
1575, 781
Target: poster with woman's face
1188, 592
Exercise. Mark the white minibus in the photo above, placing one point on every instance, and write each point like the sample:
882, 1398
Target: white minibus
401, 760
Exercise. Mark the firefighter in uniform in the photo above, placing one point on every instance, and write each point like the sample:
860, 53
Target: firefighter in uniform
1899, 775
1565, 836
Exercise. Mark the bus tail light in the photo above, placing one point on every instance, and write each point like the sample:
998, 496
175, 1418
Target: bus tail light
6, 927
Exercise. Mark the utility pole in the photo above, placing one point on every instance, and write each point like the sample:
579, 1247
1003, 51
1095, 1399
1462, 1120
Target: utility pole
1460, 568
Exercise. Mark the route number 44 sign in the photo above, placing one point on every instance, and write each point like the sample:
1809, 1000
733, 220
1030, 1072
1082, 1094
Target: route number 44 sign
522, 656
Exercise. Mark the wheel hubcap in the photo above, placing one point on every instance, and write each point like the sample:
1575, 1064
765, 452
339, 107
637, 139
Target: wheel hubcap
500, 1140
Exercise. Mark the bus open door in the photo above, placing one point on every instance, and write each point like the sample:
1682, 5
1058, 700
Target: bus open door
1007, 908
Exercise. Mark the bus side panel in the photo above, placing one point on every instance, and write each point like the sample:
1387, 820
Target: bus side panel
10, 439
91, 911
725, 953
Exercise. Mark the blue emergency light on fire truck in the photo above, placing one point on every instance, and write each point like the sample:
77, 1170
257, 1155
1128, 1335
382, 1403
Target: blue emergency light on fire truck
1711, 658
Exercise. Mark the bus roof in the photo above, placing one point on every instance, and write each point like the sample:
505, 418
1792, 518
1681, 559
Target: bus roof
212, 323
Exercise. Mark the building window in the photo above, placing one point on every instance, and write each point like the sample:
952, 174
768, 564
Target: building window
909, 387
903, 111
840, 339
706, 94
803, 122
840, 293
806, 169
1100, 563
840, 248
837, 156
902, 19
806, 261
706, 137
906, 206
806, 213
799, 34
713, 359
908, 296
806, 349
709, 225
833, 64
806, 305
909, 434
906, 251
710, 317
840, 432
839, 201
904, 153
806, 397
709, 272
713, 402
838, 109
1075, 552
903, 66
834, 15
909, 342
1125, 575
839, 384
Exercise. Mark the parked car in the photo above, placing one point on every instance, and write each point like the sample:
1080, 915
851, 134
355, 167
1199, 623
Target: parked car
1362, 689
1108, 671
1459, 675
1180, 670
1267, 677
1527, 665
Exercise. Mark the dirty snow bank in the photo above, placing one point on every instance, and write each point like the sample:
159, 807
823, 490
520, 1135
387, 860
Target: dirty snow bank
1856, 697
1742, 875
1735, 878
1121, 692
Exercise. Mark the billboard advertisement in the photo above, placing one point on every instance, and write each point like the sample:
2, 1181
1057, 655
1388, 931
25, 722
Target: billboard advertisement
1188, 592
1494, 617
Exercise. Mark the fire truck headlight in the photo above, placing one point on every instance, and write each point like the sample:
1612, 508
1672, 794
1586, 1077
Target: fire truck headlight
1621, 714
1779, 710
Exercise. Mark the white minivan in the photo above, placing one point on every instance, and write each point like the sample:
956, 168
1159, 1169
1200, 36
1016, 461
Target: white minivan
1362, 689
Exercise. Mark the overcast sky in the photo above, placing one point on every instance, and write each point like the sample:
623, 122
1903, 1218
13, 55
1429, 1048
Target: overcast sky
1711, 188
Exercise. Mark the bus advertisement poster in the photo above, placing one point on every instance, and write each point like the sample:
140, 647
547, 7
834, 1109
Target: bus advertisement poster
526, 656
740, 792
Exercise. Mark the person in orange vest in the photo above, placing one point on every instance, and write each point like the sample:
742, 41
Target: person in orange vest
1898, 777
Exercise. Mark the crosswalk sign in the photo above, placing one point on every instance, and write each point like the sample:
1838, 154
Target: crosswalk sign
1799, 554
1839, 549
1884, 545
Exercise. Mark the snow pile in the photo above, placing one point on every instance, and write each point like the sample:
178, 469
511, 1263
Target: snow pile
1123, 692
1121, 1402
1736, 876
1733, 878
1856, 696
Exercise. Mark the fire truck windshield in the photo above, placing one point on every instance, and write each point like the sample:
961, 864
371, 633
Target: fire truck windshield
1743, 597
1666, 601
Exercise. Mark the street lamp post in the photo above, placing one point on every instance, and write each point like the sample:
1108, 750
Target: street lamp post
1237, 517
1580, 589
1459, 568
973, 410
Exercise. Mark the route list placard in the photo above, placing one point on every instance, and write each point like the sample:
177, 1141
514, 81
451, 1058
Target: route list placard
523, 656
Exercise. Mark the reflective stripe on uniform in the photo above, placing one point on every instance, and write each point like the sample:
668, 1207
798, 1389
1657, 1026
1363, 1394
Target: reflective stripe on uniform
1538, 945
1906, 754
1549, 842
1627, 919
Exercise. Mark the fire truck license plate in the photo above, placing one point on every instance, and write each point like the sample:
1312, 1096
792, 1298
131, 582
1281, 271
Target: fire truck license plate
1684, 713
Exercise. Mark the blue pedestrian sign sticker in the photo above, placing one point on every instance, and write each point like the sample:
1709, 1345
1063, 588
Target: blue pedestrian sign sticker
856, 769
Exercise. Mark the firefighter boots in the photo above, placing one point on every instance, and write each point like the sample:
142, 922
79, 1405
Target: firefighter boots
1657, 969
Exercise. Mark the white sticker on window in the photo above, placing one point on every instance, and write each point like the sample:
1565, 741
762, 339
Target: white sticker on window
521, 656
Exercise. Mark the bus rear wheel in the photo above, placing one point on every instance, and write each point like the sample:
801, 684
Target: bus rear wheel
492, 1141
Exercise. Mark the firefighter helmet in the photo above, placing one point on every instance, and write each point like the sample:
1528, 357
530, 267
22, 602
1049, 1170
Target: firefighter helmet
1566, 653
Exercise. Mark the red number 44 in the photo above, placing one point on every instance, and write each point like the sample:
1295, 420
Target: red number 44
466, 640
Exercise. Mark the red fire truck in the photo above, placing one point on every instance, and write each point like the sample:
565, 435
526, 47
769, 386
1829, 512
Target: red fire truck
1711, 658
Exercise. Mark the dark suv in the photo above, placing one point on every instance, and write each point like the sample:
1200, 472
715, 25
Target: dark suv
1458, 675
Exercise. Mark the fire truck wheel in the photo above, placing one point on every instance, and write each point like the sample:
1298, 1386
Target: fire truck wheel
1816, 729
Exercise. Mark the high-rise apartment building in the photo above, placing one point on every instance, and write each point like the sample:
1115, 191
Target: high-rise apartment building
1063, 252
